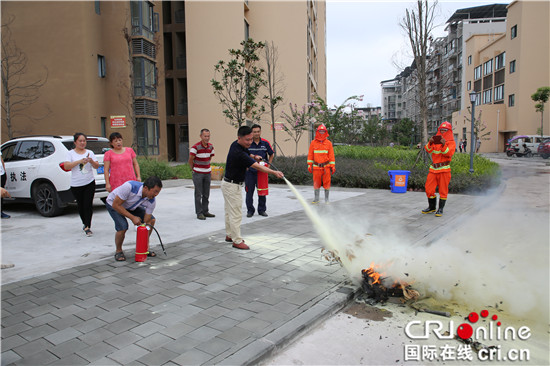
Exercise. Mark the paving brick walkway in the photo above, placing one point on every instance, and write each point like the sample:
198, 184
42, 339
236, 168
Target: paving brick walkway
204, 303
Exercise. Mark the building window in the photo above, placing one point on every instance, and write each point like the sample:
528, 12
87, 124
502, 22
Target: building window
500, 61
478, 99
477, 72
511, 100
104, 126
512, 66
148, 136
499, 93
514, 32
469, 60
246, 30
145, 78
142, 18
97, 7
488, 67
469, 85
101, 66
487, 96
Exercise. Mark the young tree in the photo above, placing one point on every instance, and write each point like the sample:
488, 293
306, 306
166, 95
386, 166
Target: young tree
274, 85
18, 93
343, 122
541, 96
237, 83
297, 121
402, 131
480, 133
418, 24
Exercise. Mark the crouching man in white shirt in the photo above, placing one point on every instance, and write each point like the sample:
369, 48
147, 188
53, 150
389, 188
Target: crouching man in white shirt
136, 201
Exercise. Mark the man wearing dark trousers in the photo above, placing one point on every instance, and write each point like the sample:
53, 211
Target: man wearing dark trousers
200, 155
238, 160
262, 148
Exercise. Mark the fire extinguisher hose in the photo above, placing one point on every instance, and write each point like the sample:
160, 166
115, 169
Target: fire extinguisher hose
156, 231
267, 162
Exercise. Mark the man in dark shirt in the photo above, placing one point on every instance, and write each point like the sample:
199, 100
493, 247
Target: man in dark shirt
238, 160
260, 147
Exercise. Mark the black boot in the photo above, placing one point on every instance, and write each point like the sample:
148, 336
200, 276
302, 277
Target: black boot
316, 196
441, 205
432, 202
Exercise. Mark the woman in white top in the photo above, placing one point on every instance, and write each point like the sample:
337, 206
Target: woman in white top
81, 161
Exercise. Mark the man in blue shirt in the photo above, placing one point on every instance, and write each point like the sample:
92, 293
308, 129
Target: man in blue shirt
260, 147
238, 160
136, 201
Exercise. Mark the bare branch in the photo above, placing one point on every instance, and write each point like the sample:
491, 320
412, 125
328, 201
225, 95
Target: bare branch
18, 92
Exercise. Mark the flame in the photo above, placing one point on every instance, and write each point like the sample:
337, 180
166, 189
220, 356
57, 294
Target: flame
371, 272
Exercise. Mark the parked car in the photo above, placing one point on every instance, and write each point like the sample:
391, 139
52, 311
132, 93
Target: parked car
532, 141
544, 149
34, 168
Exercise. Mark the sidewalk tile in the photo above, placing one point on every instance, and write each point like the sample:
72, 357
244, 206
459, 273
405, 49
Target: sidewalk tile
192, 357
96, 351
128, 354
62, 336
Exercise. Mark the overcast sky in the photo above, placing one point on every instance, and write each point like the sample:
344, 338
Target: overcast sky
365, 41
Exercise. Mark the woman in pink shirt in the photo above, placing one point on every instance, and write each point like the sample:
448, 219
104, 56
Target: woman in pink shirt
120, 164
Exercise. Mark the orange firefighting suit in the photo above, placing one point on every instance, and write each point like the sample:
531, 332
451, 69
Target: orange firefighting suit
440, 169
320, 159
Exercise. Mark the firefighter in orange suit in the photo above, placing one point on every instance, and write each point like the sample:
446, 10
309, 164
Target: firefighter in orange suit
320, 162
440, 170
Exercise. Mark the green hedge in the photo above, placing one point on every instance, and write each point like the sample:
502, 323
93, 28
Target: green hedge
163, 170
367, 167
362, 167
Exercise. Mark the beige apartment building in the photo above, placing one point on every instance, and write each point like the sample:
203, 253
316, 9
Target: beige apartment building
110, 63
99, 63
504, 70
296, 28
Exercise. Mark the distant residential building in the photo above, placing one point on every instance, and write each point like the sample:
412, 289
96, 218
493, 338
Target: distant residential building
391, 100
445, 66
464, 23
504, 70
368, 112
112, 62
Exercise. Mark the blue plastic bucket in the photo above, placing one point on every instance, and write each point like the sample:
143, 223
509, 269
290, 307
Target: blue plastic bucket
399, 180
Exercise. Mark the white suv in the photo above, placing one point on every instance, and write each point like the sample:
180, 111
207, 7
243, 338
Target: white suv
34, 170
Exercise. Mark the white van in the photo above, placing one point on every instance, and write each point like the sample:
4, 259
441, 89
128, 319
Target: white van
532, 141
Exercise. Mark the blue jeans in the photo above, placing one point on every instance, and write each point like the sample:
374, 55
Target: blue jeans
121, 224
251, 181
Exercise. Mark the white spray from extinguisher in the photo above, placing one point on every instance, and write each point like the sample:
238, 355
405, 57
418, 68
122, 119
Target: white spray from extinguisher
346, 254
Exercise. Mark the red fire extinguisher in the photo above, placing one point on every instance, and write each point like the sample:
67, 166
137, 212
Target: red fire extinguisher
142, 243
263, 189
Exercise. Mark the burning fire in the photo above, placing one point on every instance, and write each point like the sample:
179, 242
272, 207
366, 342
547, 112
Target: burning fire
371, 272
373, 287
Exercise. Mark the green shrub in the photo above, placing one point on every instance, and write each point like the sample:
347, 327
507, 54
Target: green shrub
182, 171
149, 167
163, 170
367, 167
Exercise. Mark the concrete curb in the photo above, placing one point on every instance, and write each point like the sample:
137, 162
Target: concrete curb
329, 303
